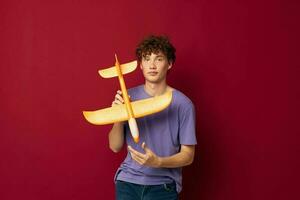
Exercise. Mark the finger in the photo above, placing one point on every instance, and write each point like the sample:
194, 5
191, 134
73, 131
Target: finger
134, 156
119, 97
116, 102
132, 151
136, 153
146, 149
120, 93
137, 159
144, 145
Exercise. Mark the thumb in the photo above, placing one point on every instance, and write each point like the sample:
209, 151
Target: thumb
146, 149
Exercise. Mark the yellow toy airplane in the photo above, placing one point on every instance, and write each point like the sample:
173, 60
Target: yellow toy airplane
130, 110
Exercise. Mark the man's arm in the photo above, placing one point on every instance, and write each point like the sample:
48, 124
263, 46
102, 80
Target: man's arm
116, 134
183, 158
116, 137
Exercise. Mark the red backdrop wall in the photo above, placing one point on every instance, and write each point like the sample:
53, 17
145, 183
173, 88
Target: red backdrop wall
235, 61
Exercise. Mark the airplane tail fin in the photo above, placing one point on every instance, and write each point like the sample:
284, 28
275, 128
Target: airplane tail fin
112, 72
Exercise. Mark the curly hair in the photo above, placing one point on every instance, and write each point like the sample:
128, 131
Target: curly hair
156, 44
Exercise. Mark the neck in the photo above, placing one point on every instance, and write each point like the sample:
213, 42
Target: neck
155, 89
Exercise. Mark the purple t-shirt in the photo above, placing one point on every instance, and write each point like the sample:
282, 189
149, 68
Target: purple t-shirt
163, 133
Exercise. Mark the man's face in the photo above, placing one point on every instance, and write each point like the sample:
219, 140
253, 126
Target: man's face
155, 67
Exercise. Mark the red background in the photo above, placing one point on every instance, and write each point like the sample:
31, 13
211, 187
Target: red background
237, 61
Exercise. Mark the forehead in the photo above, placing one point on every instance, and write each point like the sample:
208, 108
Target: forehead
154, 54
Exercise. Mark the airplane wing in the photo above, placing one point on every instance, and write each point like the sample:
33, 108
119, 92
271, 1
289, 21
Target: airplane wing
118, 113
109, 115
151, 105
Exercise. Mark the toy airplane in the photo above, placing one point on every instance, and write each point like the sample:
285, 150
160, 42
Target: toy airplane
130, 110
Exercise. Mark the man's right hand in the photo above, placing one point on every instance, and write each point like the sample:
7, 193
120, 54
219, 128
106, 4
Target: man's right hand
118, 98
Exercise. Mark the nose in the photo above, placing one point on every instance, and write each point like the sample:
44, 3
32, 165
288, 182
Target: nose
153, 65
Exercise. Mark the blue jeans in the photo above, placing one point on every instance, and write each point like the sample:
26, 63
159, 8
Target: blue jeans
131, 191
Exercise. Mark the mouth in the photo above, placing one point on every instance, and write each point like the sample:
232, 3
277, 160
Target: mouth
152, 73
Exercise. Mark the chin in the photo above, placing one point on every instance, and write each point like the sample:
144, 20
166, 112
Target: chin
153, 81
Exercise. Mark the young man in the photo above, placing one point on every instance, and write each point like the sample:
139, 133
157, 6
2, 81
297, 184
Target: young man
152, 168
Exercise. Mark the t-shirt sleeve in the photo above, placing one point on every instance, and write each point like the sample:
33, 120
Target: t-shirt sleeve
187, 125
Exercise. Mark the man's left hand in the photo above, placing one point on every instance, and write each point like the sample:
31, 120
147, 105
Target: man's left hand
148, 158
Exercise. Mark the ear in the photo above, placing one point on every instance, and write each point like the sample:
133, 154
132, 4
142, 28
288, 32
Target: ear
170, 65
